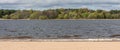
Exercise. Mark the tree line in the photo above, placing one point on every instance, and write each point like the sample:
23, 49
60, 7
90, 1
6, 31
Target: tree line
82, 13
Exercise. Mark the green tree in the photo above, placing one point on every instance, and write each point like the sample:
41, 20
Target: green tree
6, 17
85, 15
66, 16
101, 16
14, 16
93, 16
108, 16
35, 15
115, 16
43, 17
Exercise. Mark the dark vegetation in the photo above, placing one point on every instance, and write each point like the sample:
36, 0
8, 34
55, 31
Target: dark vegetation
82, 13
19, 37
116, 35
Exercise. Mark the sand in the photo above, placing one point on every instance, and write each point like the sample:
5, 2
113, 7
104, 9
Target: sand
59, 45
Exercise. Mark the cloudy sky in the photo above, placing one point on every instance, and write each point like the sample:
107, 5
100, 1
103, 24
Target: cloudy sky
51, 4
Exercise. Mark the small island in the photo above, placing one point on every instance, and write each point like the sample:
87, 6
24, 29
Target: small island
61, 13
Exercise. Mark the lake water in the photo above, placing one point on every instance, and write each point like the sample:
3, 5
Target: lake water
60, 29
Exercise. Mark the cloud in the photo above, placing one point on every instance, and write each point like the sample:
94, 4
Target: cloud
46, 4
8, 1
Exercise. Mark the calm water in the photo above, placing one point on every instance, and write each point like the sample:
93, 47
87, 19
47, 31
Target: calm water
60, 29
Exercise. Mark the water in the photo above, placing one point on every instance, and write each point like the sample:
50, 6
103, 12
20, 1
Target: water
60, 29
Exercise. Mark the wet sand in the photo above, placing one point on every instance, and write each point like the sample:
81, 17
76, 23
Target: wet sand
59, 45
60, 40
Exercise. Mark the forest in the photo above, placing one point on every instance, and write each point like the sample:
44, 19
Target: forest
61, 13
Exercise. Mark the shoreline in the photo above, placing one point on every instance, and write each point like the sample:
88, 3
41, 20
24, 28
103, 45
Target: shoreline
60, 40
60, 19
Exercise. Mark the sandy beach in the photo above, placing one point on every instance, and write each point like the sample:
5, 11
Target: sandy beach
59, 45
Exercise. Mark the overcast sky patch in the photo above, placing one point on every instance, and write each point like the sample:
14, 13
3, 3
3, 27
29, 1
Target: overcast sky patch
53, 4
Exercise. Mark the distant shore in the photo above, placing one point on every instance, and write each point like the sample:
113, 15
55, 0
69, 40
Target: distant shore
60, 19
15, 19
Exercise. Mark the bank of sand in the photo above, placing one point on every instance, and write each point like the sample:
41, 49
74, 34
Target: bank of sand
59, 45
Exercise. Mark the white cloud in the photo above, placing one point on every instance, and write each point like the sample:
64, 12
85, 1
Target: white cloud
8, 1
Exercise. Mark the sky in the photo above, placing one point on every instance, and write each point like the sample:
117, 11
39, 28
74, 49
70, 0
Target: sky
53, 4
